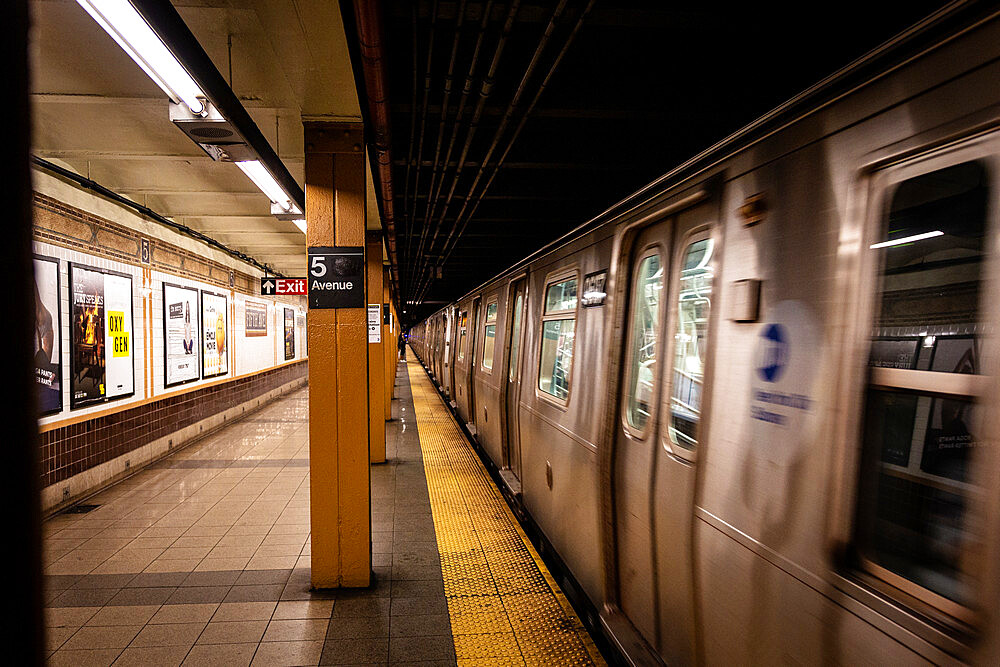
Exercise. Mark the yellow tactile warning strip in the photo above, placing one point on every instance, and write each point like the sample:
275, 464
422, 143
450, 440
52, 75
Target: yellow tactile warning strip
505, 607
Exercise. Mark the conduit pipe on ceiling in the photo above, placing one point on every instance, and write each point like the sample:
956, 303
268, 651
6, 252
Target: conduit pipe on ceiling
446, 250
413, 130
435, 193
107, 193
497, 136
423, 126
484, 92
368, 17
436, 169
509, 112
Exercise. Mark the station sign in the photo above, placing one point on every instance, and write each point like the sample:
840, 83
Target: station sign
271, 286
336, 277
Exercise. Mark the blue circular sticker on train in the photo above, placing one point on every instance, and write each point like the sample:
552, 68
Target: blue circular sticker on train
773, 352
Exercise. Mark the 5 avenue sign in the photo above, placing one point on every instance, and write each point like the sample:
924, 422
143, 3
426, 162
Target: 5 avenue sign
271, 286
337, 277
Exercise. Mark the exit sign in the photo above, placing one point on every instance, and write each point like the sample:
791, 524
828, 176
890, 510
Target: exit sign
283, 286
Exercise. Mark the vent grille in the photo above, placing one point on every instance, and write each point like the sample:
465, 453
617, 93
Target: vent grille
210, 132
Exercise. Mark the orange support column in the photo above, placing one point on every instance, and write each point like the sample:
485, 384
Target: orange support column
376, 352
340, 493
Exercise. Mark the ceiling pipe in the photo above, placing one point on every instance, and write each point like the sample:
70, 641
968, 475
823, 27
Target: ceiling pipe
446, 250
423, 126
368, 18
407, 233
498, 135
107, 193
484, 92
436, 168
434, 196
511, 110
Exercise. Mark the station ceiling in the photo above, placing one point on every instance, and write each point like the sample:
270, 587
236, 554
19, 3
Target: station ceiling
481, 176
98, 114
636, 89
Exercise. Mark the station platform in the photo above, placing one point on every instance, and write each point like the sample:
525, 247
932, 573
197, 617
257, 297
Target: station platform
203, 558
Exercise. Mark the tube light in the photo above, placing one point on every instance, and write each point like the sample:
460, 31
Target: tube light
127, 27
907, 239
263, 179
301, 224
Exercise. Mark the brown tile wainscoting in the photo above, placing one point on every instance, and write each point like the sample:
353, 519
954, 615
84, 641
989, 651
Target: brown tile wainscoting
75, 448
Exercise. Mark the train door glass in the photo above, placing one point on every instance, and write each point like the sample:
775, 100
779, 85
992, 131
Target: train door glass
512, 445
922, 424
670, 291
643, 341
693, 303
462, 334
490, 334
558, 336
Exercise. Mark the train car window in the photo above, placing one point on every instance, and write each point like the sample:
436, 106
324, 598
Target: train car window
462, 327
921, 422
515, 341
490, 330
694, 303
558, 334
644, 340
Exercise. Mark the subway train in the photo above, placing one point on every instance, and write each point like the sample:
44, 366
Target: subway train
748, 406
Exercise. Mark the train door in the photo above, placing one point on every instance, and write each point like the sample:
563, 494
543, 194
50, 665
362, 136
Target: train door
670, 289
446, 352
512, 376
456, 324
473, 337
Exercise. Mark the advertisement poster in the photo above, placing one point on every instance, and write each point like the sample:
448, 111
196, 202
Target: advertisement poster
48, 372
214, 353
256, 323
180, 334
87, 340
119, 369
289, 334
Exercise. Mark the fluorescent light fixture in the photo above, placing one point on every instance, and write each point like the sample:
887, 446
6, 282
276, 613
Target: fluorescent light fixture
301, 224
120, 20
907, 239
263, 179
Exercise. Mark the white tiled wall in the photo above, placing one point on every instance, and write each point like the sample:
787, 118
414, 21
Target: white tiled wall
247, 354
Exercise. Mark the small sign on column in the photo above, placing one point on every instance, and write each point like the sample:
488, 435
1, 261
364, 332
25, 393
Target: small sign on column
374, 323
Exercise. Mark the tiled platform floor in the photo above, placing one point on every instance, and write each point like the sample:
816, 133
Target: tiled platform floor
203, 559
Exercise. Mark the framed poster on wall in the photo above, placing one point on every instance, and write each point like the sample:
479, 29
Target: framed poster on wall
214, 335
119, 368
86, 331
289, 334
48, 341
256, 319
180, 334
100, 311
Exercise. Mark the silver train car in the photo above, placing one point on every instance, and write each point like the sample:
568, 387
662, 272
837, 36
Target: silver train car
749, 406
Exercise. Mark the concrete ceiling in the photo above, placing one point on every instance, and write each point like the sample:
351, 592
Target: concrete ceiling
97, 113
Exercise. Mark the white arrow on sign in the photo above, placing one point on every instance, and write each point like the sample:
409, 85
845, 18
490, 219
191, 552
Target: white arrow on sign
268, 286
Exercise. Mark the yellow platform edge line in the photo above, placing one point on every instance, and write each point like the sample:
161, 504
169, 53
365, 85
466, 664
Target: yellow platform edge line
430, 423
